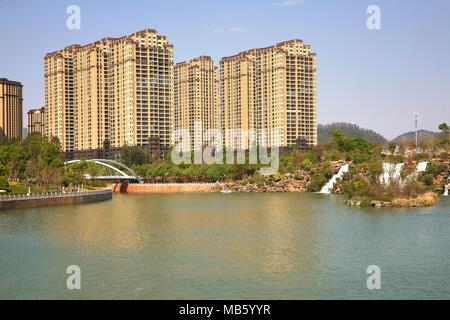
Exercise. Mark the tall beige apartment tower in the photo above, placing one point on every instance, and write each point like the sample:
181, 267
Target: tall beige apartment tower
236, 99
141, 82
10, 109
36, 121
271, 92
195, 100
92, 105
113, 92
216, 123
60, 97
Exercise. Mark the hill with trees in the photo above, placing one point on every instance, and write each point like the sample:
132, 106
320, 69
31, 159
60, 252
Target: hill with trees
411, 136
325, 132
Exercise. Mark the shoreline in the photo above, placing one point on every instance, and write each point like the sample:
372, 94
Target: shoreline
15, 202
422, 201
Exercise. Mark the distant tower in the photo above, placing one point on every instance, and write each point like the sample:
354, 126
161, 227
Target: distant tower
416, 122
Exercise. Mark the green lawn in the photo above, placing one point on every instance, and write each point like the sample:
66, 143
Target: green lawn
21, 189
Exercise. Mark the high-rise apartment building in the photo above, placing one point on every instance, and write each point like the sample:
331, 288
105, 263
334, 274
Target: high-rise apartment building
216, 114
141, 82
236, 99
270, 94
36, 121
92, 106
114, 92
195, 100
60, 97
126, 91
10, 109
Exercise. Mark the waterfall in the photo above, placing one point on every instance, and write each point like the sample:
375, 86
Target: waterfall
329, 186
421, 167
391, 170
446, 190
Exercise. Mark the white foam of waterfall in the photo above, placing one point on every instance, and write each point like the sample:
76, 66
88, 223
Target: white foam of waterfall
421, 167
446, 190
329, 186
391, 171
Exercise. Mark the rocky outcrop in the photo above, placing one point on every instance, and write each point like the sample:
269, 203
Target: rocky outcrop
424, 200
363, 203
289, 182
441, 179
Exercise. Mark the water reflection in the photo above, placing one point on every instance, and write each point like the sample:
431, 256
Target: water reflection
248, 245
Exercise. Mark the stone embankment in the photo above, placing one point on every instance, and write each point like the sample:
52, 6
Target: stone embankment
12, 202
428, 199
289, 182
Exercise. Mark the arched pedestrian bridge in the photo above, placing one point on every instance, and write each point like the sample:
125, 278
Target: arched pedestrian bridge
110, 170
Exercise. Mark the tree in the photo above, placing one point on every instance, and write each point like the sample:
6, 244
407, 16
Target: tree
34, 169
4, 182
444, 128
136, 155
306, 165
392, 147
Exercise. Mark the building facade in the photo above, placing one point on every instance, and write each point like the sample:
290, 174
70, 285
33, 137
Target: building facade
11, 101
236, 100
111, 93
60, 97
91, 103
36, 121
270, 94
195, 100
126, 91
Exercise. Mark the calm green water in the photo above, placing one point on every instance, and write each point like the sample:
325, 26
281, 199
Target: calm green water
236, 246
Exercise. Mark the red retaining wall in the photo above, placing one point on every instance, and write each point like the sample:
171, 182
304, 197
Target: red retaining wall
164, 188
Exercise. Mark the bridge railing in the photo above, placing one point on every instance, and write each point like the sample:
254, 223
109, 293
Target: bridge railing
113, 178
174, 184
15, 197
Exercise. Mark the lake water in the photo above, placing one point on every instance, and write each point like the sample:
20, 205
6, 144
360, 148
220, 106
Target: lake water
225, 246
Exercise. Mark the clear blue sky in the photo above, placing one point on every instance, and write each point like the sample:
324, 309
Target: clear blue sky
376, 79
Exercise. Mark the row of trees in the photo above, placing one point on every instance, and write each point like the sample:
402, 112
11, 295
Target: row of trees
39, 163
34, 160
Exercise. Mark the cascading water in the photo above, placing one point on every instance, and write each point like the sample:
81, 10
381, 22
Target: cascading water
329, 186
391, 171
421, 167
446, 190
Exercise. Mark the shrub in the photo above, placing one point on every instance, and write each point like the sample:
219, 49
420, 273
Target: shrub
356, 187
213, 173
277, 177
445, 155
374, 170
428, 180
436, 169
412, 189
4, 182
299, 177
306, 165
396, 159
316, 183
420, 156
